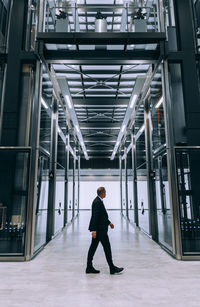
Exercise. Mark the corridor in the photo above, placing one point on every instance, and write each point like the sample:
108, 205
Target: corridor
56, 277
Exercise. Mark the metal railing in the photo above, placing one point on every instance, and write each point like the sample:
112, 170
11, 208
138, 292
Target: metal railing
120, 18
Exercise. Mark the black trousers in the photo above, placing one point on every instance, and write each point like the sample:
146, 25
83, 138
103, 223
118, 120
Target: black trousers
102, 237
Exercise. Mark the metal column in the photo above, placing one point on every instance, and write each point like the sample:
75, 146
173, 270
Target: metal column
74, 174
120, 174
66, 178
134, 178
126, 181
79, 164
52, 173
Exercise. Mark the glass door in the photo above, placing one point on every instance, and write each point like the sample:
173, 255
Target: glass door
163, 201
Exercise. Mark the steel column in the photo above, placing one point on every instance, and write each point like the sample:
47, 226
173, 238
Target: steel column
126, 181
52, 173
134, 178
66, 178
11, 100
79, 164
120, 174
74, 174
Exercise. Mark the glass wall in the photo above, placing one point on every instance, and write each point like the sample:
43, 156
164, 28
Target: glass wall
76, 189
4, 16
82, 17
161, 172
2, 68
70, 188
43, 175
188, 169
163, 200
141, 169
130, 187
60, 185
14, 182
123, 188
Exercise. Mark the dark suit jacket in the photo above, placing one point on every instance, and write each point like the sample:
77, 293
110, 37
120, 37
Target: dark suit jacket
99, 219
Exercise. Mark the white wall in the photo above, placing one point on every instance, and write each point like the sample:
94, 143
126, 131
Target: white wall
88, 191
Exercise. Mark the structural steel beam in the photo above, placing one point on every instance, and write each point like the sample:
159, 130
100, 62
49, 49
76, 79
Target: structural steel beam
100, 125
99, 57
98, 102
107, 38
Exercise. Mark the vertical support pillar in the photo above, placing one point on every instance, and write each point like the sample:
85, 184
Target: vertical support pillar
189, 74
66, 178
153, 225
74, 174
9, 119
120, 175
134, 178
79, 165
52, 174
126, 181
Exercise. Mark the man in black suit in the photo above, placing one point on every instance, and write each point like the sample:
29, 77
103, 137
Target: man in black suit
99, 227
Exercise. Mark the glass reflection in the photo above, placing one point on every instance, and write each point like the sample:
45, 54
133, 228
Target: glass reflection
14, 169
42, 201
188, 169
143, 205
163, 201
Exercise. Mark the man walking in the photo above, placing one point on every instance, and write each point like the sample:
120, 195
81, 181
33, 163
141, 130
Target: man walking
99, 227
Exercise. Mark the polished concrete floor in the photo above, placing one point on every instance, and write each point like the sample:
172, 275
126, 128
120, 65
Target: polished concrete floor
56, 277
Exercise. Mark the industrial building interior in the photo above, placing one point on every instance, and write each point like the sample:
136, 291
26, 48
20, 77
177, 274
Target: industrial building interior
99, 93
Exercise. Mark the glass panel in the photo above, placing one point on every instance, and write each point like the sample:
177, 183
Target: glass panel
1, 81
130, 187
158, 133
163, 201
43, 177
60, 185
143, 205
70, 188
14, 169
123, 188
31, 25
188, 170
42, 201
87, 17
4, 16
197, 22
60, 198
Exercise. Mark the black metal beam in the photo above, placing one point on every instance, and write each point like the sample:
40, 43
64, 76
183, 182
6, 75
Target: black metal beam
100, 125
100, 138
108, 38
100, 57
100, 71
98, 102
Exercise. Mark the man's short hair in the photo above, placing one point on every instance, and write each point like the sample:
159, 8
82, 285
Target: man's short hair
100, 190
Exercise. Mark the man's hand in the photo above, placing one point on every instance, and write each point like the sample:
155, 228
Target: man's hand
111, 225
94, 234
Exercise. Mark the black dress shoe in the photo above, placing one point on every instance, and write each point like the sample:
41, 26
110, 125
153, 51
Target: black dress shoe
115, 270
91, 271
